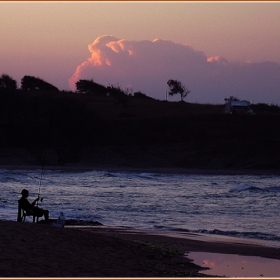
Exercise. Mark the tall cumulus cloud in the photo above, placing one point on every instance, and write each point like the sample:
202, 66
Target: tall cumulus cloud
146, 66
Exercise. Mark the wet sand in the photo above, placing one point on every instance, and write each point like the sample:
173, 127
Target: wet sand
222, 255
39, 250
232, 265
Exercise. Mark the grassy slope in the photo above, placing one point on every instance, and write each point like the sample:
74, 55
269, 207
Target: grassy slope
189, 135
145, 133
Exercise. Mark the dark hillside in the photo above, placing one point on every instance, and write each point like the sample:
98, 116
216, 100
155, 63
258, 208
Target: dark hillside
137, 108
134, 132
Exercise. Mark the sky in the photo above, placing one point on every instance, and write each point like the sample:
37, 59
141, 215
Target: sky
216, 49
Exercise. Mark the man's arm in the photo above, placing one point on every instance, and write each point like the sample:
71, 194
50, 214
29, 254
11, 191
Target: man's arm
33, 203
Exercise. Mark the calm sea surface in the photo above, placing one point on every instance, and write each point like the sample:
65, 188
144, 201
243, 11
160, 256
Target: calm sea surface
234, 205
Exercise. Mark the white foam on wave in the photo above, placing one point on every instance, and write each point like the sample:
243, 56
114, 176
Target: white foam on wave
241, 187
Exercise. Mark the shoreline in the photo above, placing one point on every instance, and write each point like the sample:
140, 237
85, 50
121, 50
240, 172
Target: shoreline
88, 251
165, 170
38, 250
194, 242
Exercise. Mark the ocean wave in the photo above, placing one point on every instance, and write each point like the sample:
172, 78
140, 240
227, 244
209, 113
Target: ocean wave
245, 187
273, 189
143, 200
254, 235
230, 233
110, 175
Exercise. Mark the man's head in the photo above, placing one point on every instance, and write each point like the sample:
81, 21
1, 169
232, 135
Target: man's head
24, 193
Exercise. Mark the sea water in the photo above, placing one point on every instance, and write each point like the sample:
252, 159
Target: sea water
234, 205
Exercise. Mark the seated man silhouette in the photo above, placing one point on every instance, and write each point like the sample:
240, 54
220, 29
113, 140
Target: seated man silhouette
30, 208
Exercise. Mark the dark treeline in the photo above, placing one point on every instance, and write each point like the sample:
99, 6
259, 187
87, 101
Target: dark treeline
8, 84
108, 125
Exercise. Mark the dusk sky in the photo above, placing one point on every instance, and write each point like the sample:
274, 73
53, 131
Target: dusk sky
216, 49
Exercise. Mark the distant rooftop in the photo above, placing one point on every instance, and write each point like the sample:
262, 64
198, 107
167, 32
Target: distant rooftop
242, 103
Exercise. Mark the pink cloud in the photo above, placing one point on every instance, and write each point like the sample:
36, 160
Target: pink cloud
147, 65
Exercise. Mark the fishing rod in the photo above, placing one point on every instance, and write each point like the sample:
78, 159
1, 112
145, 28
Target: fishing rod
44, 160
42, 171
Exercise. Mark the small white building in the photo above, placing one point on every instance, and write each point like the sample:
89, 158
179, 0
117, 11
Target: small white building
234, 106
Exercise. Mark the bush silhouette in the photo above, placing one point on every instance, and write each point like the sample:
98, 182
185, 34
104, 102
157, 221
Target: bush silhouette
7, 83
32, 83
90, 87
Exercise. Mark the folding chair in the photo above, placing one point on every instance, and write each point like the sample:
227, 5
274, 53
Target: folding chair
22, 213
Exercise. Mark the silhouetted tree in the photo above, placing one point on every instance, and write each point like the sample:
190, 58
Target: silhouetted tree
176, 87
232, 98
90, 87
7, 83
33, 83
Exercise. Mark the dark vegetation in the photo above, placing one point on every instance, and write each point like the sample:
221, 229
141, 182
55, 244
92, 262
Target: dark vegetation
100, 125
176, 87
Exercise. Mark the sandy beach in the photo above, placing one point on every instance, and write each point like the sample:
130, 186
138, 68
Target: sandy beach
39, 250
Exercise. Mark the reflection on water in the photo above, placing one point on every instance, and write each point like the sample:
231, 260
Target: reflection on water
235, 265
